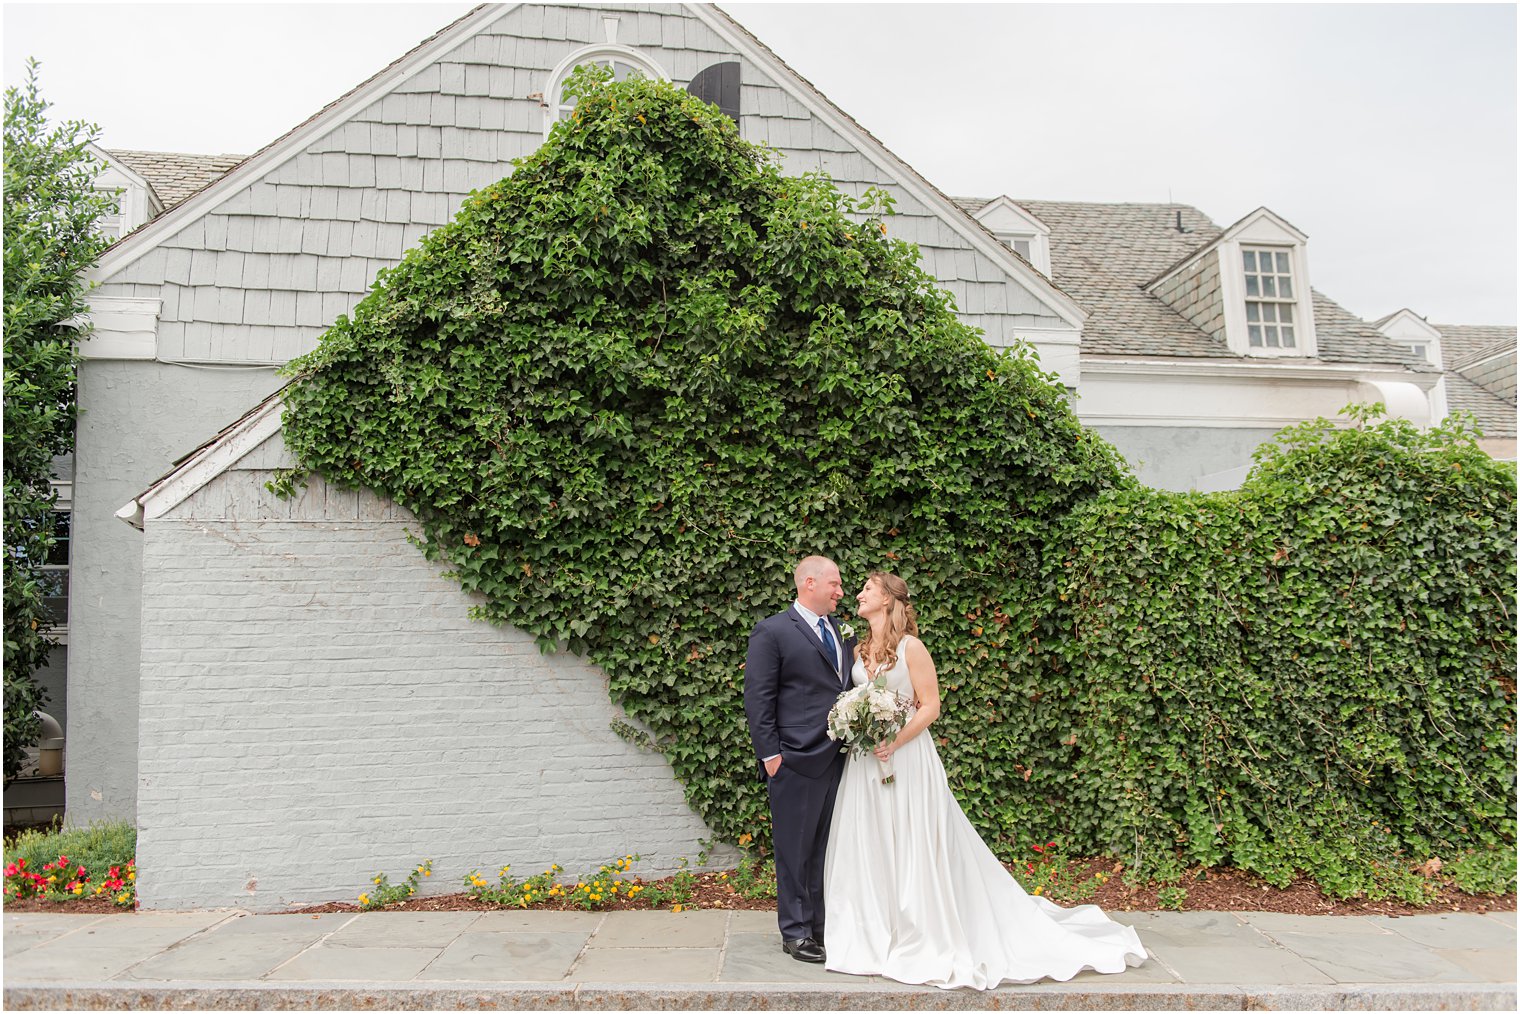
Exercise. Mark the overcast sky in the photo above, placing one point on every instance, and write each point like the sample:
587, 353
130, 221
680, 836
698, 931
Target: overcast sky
1385, 132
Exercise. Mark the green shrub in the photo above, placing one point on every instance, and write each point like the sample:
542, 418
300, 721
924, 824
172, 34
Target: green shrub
630, 385
101, 845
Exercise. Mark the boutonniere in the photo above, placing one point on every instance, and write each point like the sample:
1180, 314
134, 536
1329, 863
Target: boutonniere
846, 632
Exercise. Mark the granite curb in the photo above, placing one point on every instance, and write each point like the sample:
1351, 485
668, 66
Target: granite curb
598, 996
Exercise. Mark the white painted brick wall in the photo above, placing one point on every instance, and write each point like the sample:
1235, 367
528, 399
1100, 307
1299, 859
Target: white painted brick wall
317, 706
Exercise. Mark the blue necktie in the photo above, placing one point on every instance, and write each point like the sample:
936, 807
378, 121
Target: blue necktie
828, 642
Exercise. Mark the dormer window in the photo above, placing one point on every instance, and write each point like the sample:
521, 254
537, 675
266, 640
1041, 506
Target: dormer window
136, 202
1421, 349
623, 61
1018, 229
1270, 299
1408, 330
1022, 245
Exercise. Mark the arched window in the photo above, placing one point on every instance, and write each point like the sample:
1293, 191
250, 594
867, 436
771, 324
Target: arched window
624, 61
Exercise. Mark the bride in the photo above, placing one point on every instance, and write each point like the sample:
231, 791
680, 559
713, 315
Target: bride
912, 892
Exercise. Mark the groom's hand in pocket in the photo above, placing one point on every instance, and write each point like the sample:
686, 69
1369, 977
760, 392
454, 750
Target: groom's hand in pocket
772, 766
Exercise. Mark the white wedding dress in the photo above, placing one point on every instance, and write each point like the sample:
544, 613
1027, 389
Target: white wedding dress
912, 893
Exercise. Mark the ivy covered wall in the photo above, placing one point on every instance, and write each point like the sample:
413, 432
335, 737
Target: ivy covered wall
632, 383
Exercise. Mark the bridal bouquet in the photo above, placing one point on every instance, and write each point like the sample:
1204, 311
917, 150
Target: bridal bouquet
866, 716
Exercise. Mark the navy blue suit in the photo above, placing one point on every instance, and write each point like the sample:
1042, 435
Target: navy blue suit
790, 683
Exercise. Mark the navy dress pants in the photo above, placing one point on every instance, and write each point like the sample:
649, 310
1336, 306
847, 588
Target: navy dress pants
801, 811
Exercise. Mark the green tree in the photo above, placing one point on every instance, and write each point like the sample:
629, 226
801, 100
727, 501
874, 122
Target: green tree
51, 208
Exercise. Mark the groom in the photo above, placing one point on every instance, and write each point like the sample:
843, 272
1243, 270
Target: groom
797, 665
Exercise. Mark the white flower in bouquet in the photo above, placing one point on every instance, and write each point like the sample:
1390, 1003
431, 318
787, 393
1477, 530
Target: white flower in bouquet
867, 716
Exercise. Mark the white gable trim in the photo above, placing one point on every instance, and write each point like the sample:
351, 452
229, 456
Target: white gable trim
142, 242
134, 177
1060, 304
1001, 215
204, 465
122, 327
1408, 328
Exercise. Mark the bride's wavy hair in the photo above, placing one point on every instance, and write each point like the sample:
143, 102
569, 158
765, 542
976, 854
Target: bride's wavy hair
901, 619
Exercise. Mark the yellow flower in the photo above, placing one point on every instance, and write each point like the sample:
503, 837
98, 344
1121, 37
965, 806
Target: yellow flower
1037, 890
364, 899
676, 908
132, 875
78, 889
123, 898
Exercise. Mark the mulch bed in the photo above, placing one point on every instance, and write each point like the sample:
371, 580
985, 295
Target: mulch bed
74, 906
1218, 890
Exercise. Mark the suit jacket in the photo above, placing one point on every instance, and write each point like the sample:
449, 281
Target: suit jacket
790, 684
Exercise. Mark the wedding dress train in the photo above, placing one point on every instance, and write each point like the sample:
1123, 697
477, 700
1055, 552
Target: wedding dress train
912, 892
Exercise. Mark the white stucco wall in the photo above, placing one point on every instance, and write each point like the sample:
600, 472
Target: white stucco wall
318, 706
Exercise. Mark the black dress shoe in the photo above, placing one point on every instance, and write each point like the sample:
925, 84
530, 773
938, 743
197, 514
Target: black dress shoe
805, 949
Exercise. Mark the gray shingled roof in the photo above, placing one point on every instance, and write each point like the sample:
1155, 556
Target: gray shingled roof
1105, 254
174, 176
1463, 343
1496, 416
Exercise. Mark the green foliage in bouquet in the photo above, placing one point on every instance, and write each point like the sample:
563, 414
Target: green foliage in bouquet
631, 384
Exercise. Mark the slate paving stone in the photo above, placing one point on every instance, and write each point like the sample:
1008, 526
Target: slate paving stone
242, 948
107, 947
506, 957
1384, 958
354, 964
1224, 947
647, 964
28, 929
1484, 964
754, 922
758, 957
1240, 965
537, 922
1271, 923
1507, 918
664, 929
1452, 930
1192, 928
403, 929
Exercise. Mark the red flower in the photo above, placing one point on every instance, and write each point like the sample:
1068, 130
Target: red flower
1038, 848
1050, 845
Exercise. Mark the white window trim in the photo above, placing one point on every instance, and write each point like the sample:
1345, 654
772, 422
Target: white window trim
1406, 328
1232, 286
561, 71
1007, 221
63, 504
